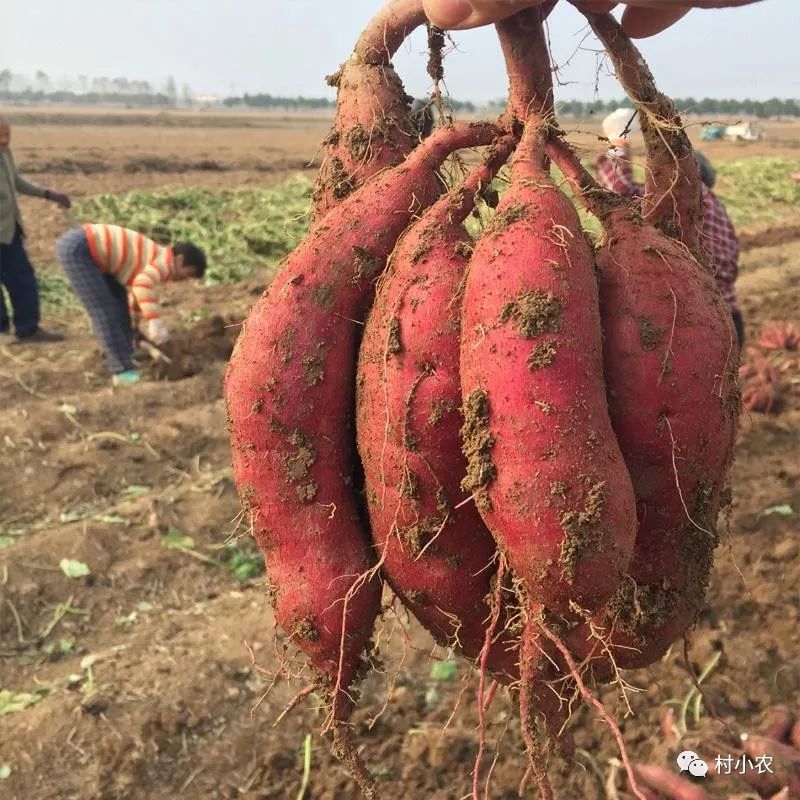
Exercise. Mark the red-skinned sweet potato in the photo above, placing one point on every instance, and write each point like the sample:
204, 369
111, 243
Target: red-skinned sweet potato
673, 199
289, 394
784, 766
532, 381
779, 336
794, 736
544, 466
778, 723
670, 364
373, 127
435, 550
669, 784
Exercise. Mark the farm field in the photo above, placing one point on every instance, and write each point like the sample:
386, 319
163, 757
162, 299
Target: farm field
148, 676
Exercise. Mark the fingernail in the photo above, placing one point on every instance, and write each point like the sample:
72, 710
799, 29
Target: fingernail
448, 13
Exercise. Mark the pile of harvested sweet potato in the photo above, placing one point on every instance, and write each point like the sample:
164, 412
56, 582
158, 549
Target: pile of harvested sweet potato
526, 437
770, 370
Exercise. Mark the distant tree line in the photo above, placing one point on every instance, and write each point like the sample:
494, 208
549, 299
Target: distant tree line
270, 101
41, 89
63, 97
774, 107
310, 103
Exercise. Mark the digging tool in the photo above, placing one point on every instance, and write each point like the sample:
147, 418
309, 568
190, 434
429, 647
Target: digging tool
152, 349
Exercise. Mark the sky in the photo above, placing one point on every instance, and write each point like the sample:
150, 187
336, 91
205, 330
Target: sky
286, 47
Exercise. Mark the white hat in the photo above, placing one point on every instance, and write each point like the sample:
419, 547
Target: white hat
620, 124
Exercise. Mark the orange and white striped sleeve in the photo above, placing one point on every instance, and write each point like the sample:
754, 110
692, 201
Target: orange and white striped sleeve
143, 291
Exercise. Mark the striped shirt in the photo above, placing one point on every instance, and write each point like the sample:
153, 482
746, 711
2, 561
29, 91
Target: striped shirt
135, 261
615, 172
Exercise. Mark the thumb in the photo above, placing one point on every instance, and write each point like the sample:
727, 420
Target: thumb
463, 14
643, 22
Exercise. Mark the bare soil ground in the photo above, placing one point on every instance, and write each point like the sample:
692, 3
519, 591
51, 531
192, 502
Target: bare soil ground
144, 685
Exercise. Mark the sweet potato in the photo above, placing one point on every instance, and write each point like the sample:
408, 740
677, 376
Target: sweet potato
289, 393
373, 128
673, 199
669, 784
778, 723
434, 549
647, 794
779, 336
784, 766
670, 366
544, 466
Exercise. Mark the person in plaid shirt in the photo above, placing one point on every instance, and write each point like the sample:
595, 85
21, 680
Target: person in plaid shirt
615, 172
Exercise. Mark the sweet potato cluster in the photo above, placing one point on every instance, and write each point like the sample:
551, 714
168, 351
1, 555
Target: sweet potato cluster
525, 436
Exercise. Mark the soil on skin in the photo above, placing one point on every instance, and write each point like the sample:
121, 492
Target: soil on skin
477, 446
139, 676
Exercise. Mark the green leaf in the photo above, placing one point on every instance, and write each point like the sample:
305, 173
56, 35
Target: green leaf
784, 510
5, 772
55, 293
76, 514
758, 189
247, 570
444, 671
6, 541
240, 229
129, 619
11, 702
143, 605
245, 566
62, 646
135, 490
113, 519
74, 569
176, 540
88, 661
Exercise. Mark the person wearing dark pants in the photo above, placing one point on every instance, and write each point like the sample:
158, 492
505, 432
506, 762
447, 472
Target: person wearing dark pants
114, 272
5, 324
16, 271
17, 276
738, 323
120, 295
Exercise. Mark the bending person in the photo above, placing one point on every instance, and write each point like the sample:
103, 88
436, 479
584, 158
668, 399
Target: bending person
115, 272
